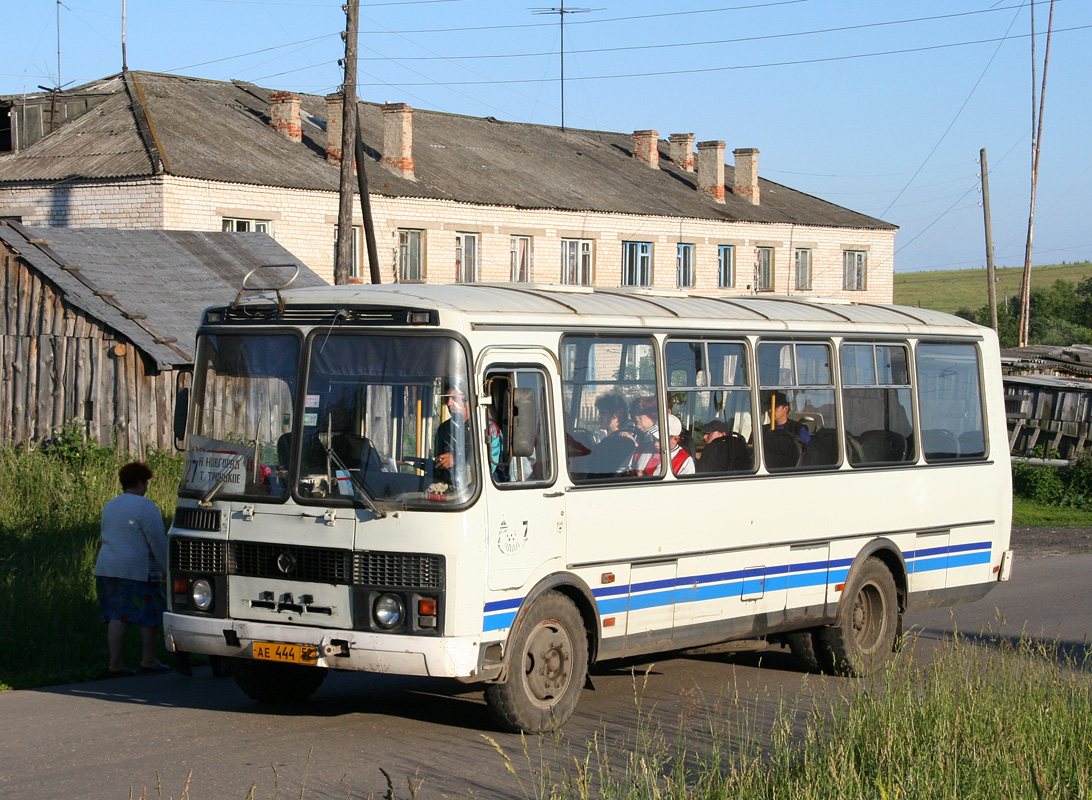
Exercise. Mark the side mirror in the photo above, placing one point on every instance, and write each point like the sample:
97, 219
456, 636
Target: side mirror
181, 405
524, 422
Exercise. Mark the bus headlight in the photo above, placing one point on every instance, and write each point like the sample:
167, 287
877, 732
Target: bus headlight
201, 594
389, 611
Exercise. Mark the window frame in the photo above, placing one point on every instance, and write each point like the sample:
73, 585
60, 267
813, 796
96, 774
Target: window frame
684, 265
405, 255
637, 264
584, 258
514, 251
726, 268
855, 275
764, 272
246, 225
803, 262
467, 259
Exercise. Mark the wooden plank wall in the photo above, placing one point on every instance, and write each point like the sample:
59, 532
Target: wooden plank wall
59, 364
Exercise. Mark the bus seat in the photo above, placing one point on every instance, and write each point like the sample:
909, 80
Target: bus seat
882, 446
781, 449
940, 443
822, 450
971, 443
739, 453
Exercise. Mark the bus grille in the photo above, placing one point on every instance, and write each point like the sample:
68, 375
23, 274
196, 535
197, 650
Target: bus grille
196, 555
315, 564
197, 519
395, 570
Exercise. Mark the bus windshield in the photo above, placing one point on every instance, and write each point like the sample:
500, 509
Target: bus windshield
379, 418
389, 416
244, 402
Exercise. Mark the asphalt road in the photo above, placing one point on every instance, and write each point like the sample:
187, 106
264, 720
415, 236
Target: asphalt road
154, 733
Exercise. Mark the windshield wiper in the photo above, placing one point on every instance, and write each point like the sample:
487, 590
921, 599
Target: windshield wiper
360, 489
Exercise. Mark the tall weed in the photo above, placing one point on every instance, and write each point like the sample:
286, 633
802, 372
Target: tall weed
50, 508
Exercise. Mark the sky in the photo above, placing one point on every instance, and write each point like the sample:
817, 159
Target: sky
881, 107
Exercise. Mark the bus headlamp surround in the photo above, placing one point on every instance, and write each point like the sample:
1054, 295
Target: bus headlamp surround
201, 594
389, 611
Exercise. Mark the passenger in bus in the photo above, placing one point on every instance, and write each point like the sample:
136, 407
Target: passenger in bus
645, 412
496, 450
681, 462
716, 455
452, 439
614, 451
781, 408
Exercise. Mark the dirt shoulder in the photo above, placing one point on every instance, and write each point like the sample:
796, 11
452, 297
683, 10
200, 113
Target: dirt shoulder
1045, 542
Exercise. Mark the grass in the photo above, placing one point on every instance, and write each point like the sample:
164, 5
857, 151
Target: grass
986, 719
951, 290
1028, 513
49, 538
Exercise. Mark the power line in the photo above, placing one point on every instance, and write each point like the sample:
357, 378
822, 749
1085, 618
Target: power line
707, 43
739, 67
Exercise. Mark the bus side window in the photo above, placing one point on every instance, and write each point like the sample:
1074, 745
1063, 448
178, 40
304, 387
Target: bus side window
517, 428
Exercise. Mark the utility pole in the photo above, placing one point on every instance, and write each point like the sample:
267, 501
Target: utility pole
366, 205
124, 61
990, 279
343, 260
1037, 131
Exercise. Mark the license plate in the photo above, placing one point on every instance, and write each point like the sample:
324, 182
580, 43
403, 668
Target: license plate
290, 653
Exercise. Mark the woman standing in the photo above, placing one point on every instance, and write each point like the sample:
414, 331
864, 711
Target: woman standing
130, 568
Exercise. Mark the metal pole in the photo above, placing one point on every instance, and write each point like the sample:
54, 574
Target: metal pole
990, 279
342, 263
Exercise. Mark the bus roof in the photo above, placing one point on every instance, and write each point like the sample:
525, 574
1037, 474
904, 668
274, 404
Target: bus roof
548, 305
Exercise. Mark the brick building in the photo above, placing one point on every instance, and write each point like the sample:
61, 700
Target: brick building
454, 197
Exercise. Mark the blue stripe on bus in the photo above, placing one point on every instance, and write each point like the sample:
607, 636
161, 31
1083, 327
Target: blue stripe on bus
621, 598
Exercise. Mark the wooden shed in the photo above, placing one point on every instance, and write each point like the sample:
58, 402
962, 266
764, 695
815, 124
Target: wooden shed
98, 324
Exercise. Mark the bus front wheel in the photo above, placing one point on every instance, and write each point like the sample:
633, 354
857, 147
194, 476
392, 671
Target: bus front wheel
276, 684
865, 637
548, 664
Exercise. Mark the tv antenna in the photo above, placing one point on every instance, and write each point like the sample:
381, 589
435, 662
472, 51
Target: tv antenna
561, 11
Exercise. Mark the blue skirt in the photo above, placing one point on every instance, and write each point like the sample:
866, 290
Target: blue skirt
136, 602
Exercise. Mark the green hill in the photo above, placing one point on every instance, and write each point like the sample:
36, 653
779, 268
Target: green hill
966, 288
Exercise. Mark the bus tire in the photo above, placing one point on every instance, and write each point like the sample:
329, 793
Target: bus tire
805, 648
864, 639
276, 684
547, 668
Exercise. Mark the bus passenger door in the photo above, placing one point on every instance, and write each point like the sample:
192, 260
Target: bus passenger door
526, 506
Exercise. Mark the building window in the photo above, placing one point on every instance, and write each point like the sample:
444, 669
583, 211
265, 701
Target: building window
411, 261
764, 269
685, 260
856, 267
466, 257
726, 266
576, 261
636, 263
521, 258
236, 225
356, 253
803, 269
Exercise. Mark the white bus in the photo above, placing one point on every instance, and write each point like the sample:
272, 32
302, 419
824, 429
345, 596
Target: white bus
417, 479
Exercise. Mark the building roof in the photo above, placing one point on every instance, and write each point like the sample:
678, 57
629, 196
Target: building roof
149, 286
155, 123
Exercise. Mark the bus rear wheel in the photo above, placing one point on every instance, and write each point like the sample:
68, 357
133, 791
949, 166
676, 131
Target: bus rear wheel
548, 665
805, 648
864, 639
276, 684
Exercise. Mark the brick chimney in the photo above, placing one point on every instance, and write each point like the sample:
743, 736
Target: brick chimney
398, 140
284, 115
682, 150
646, 148
333, 127
746, 182
711, 169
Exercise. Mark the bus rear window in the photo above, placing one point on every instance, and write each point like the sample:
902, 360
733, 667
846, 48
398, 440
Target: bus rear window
950, 401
